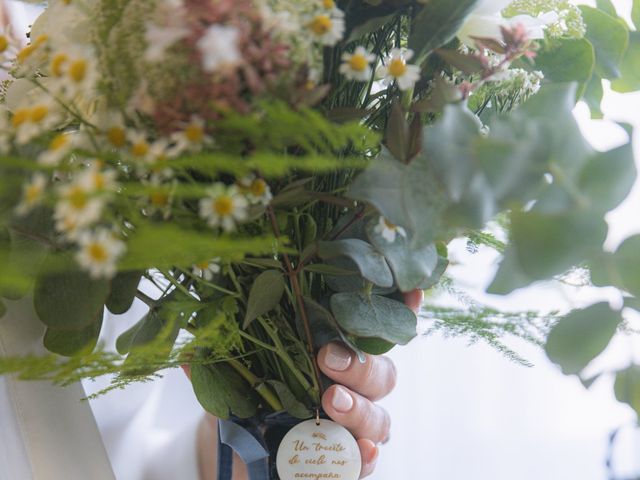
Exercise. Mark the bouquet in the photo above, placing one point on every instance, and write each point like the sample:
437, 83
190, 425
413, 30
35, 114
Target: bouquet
283, 171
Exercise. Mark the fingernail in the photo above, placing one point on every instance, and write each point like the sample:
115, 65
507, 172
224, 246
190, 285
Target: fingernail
374, 456
342, 400
337, 358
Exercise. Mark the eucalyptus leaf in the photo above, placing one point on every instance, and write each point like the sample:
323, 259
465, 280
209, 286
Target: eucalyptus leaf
124, 288
627, 260
569, 60
67, 298
370, 262
593, 95
629, 80
610, 39
70, 342
607, 7
412, 267
222, 391
291, 404
581, 336
374, 316
635, 14
326, 269
155, 326
265, 294
436, 24
373, 346
627, 387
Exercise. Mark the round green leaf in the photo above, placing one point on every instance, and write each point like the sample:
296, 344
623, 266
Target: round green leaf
123, 292
374, 316
570, 60
370, 262
627, 387
71, 342
581, 336
265, 294
627, 261
610, 38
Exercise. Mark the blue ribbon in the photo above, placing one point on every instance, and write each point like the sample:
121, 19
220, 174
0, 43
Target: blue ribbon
233, 437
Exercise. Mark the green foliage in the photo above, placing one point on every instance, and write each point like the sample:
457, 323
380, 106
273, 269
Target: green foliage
569, 24
436, 24
124, 287
610, 39
581, 336
265, 294
567, 60
371, 264
291, 404
629, 80
368, 315
627, 387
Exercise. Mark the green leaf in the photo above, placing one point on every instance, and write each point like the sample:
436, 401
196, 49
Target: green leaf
291, 404
436, 24
374, 316
627, 261
609, 38
570, 60
325, 269
609, 177
221, 391
397, 134
581, 336
156, 326
593, 95
607, 7
265, 294
369, 26
627, 387
635, 14
123, 292
629, 80
70, 342
66, 298
412, 267
373, 346
370, 262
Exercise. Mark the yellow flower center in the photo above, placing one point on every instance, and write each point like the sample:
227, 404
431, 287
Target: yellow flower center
59, 142
57, 64
27, 51
328, 4
4, 43
397, 67
159, 198
77, 198
97, 252
140, 149
116, 136
32, 194
194, 133
20, 116
78, 70
99, 181
358, 63
223, 205
203, 265
39, 113
258, 187
320, 25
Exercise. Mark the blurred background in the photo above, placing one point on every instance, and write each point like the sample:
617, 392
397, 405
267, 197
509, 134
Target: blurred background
463, 410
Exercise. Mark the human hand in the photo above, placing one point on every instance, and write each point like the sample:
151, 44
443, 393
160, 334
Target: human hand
351, 401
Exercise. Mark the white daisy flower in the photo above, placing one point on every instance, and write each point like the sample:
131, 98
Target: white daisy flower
224, 207
59, 147
192, 138
75, 70
357, 65
159, 196
97, 179
256, 189
396, 69
99, 252
388, 230
207, 269
159, 38
77, 208
327, 27
32, 194
219, 48
112, 127
34, 119
139, 146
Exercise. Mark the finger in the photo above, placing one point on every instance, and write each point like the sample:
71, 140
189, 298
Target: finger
413, 299
369, 455
375, 378
357, 414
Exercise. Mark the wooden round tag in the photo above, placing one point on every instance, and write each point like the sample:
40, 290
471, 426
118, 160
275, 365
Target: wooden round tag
315, 451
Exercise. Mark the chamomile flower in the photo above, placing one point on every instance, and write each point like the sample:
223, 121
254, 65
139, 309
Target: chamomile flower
159, 197
59, 147
256, 189
80, 72
35, 118
112, 127
219, 48
96, 179
327, 27
32, 194
357, 65
77, 208
33, 55
192, 138
224, 207
99, 252
139, 147
207, 269
388, 230
397, 69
